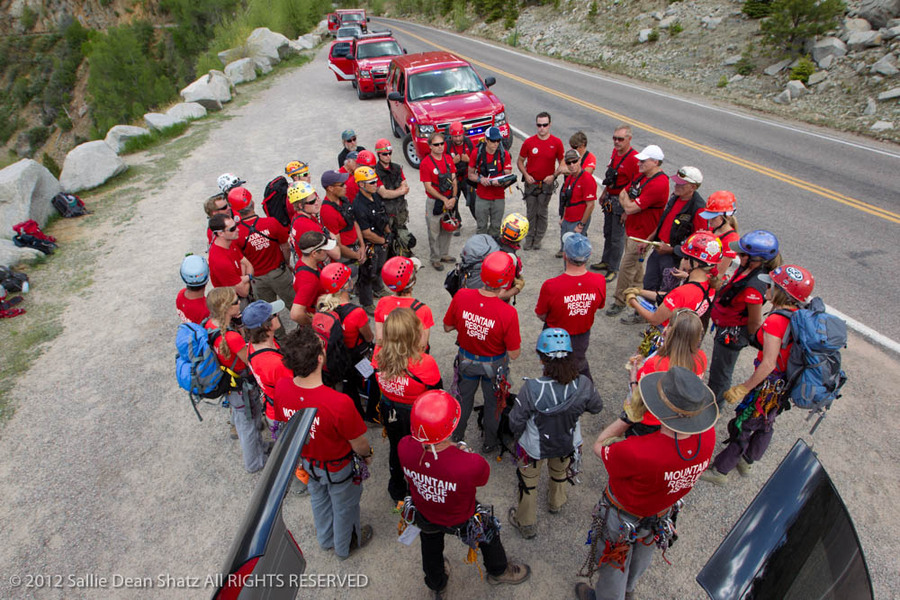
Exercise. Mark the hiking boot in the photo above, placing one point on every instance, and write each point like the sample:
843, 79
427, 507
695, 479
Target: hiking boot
713, 476
600, 266
584, 592
457, 233
361, 541
437, 266
441, 594
381, 293
488, 448
528, 244
611, 275
370, 309
560, 254
514, 574
448, 259
554, 510
233, 433
614, 310
526, 531
744, 467
536, 246
633, 319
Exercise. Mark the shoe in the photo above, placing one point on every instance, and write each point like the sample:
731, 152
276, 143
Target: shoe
437, 266
442, 593
560, 254
584, 592
361, 541
633, 319
600, 266
527, 244
457, 233
536, 246
488, 448
554, 510
744, 467
526, 531
233, 433
370, 309
615, 309
381, 293
611, 275
448, 259
713, 476
514, 574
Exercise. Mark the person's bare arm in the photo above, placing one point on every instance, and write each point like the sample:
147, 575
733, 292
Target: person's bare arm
514, 354
628, 205
300, 315
361, 446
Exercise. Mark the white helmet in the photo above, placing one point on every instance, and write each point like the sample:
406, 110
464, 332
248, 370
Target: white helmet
226, 181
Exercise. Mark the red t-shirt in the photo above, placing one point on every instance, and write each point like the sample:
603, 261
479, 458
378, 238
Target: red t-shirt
688, 295
542, 156
209, 236
225, 265
300, 225
235, 344
335, 222
490, 192
389, 304
589, 161
735, 313
666, 227
430, 168
191, 310
405, 389
267, 368
263, 253
726, 239
647, 473
485, 325
626, 169
570, 301
336, 422
352, 323
584, 190
776, 325
655, 363
442, 490
307, 287
652, 200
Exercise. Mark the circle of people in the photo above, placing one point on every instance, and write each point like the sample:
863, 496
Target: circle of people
678, 261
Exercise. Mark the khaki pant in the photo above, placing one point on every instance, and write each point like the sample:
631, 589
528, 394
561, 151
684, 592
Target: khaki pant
631, 271
530, 473
438, 239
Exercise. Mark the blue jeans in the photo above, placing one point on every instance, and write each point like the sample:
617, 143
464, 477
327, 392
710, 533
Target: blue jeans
335, 507
471, 375
567, 226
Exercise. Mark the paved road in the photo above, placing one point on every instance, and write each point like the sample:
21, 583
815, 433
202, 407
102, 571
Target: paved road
833, 200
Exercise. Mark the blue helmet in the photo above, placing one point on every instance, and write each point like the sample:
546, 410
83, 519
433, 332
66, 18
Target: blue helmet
758, 243
554, 342
194, 270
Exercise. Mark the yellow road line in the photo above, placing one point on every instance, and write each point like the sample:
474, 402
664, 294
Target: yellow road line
752, 166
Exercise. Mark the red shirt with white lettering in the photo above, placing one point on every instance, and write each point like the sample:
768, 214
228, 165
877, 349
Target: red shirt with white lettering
570, 301
405, 389
726, 239
541, 156
267, 368
225, 265
649, 473
263, 246
778, 326
655, 363
485, 325
584, 190
191, 310
307, 287
442, 489
490, 192
336, 423
588, 161
335, 222
689, 295
652, 200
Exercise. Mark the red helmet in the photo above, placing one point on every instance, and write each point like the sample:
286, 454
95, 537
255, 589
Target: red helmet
456, 128
334, 276
382, 145
397, 273
703, 246
797, 282
434, 416
449, 222
366, 159
239, 198
719, 203
498, 269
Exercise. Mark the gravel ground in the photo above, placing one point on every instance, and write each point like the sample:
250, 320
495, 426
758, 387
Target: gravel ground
109, 474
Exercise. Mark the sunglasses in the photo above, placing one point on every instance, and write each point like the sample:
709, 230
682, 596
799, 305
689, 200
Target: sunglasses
571, 162
340, 184
618, 138
388, 153
437, 143
542, 124
236, 302
222, 208
373, 182
351, 140
231, 229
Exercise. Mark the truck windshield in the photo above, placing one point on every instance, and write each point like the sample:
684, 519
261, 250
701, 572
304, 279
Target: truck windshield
445, 82
373, 49
352, 17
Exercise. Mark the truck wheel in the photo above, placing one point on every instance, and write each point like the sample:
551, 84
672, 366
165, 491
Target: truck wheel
353, 83
359, 93
409, 151
398, 133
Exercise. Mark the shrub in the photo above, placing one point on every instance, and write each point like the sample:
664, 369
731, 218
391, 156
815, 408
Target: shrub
791, 22
592, 11
36, 136
460, 21
29, 18
744, 66
654, 35
803, 69
757, 9
723, 81
51, 165
9, 122
142, 142
675, 28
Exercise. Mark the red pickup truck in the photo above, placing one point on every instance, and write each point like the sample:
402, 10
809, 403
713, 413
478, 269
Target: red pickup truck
428, 91
364, 61
347, 16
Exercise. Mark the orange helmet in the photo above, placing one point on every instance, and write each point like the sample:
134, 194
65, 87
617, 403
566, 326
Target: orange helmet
397, 273
719, 203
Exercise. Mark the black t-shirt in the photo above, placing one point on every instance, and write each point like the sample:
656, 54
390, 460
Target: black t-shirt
343, 156
370, 214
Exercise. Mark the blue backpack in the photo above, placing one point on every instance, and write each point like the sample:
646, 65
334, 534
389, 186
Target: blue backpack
197, 367
814, 375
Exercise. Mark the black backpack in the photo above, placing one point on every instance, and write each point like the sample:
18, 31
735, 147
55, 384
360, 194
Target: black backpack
275, 200
338, 362
69, 205
13, 281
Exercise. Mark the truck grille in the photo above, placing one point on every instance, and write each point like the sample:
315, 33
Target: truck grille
473, 127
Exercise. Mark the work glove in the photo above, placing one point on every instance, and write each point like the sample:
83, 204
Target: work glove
634, 406
630, 293
736, 394
612, 440
519, 283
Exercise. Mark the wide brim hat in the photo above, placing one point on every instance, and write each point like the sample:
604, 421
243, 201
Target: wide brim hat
680, 400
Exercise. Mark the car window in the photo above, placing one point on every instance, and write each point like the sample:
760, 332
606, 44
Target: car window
373, 49
443, 82
353, 31
401, 84
340, 49
353, 17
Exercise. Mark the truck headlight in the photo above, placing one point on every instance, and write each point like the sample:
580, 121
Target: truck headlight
500, 118
364, 74
425, 130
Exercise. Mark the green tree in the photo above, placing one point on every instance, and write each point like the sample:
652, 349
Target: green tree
791, 22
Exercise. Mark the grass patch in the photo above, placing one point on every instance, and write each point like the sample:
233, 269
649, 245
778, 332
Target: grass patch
148, 140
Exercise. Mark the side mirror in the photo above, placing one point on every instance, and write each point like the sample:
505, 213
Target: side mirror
368, 19
404, 51
489, 81
395, 97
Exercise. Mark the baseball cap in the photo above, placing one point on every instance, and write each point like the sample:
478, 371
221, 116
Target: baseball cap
652, 152
257, 313
577, 247
347, 135
333, 177
572, 154
493, 134
311, 241
688, 175
352, 155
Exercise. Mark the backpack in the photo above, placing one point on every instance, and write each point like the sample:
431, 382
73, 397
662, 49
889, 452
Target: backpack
704, 318
683, 223
338, 363
29, 235
251, 229
275, 200
13, 281
814, 376
197, 367
467, 272
69, 205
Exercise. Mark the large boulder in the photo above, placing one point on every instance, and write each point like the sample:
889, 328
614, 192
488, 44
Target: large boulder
262, 64
241, 70
119, 135
890, 94
265, 42
159, 121
89, 165
26, 188
879, 12
886, 66
860, 40
187, 111
305, 42
212, 90
796, 89
11, 255
829, 46
231, 55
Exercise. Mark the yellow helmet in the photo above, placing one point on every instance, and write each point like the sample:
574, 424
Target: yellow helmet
514, 227
299, 191
296, 167
364, 174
